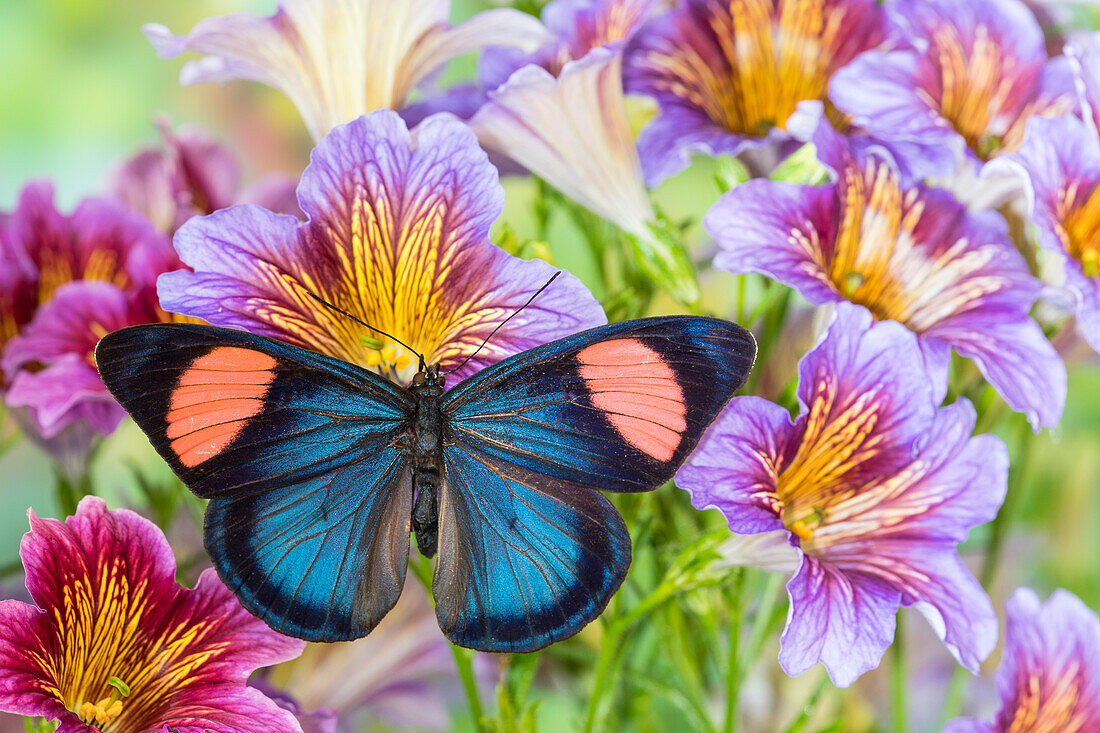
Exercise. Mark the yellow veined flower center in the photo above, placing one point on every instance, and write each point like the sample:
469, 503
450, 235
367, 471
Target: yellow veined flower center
1049, 705
878, 262
392, 362
976, 88
838, 437
774, 62
57, 268
106, 709
1082, 228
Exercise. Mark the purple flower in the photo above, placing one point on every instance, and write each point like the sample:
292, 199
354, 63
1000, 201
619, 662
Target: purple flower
1061, 159
1048, 679
115, 644
338, 59
874, 484
728, 75
908, 253
398, 235
1084, 55
67, 281
191, 175
977, 71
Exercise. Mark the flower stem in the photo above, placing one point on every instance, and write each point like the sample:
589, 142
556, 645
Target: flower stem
736, 599
464, 665
773, 590
899, 700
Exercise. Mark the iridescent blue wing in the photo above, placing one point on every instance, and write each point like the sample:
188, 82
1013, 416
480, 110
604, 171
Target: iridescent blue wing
302, 457
529, 551
524, 560
617, 408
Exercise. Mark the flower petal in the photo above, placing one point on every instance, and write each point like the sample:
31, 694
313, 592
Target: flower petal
397, 235
338, 59
107, 583
67, 391
734, 468
834, 620
573, 132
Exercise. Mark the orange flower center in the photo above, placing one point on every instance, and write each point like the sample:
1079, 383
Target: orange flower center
878, 262
774, 57
1049, 704
1082, 228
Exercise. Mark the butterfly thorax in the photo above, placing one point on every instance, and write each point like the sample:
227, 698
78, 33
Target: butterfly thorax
427, 455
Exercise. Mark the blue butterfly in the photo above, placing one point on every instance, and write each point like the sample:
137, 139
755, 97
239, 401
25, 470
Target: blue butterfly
317, 469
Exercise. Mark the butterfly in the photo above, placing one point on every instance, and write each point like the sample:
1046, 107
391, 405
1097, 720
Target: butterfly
317, 470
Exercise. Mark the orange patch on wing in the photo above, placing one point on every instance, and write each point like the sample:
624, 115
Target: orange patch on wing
216, 397
638, 391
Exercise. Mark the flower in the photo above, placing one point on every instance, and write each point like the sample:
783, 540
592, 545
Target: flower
1048, 679
1061, 160
190, 175
338, 59
728, 75
403, 673
977, 71
77, 277
909, 253
397, 235
874, 485
116, 645
1084, 55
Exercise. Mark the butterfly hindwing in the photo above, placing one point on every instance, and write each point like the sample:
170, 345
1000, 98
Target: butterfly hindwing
524, 560
617, 407
529, 551
311, 496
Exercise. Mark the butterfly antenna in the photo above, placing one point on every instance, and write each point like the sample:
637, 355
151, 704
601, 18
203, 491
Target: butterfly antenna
499, 325
361, 322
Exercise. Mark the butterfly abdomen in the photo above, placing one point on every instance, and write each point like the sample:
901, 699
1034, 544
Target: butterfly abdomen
427, 455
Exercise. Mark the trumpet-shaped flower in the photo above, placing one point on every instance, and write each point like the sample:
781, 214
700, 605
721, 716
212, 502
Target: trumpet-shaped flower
1049, 678
1061, 159
875, 486
116, 645
909, 253
727, 74
978, 71
338, 59
191, 174
397, 235
78, 277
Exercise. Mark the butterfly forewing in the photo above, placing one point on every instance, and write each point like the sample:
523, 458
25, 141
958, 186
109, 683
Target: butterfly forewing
311, 494
616, 408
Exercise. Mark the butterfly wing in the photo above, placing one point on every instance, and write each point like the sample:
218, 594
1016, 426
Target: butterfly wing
529, 551
617, 408
301, 455
524, 560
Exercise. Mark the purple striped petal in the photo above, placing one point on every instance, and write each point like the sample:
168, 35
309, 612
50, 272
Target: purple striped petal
397, 235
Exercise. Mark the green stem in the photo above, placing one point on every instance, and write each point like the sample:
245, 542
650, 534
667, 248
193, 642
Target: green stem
735, 597
422, 569
899, 700
1013, 498
464, 663
955, 696
807, 711
773, 590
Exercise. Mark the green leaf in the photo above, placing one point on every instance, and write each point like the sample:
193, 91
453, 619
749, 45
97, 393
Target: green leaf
802, 167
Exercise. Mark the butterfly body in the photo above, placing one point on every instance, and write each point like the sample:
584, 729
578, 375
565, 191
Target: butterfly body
427, 455
317, 470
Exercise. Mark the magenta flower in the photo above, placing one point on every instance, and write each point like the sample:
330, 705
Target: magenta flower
191, 174
1061, 159
338, 59
1048, 679
728, 75
116, 645
398, 235
874, 484
909, 253
977, 72
77, 276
